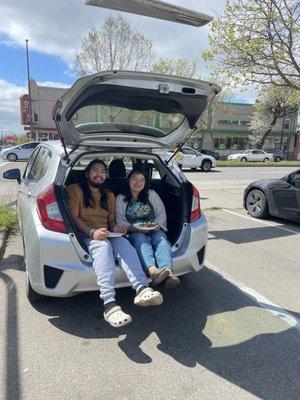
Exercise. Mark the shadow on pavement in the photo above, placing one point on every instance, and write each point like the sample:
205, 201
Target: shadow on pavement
11, 349
192, 326
249, 235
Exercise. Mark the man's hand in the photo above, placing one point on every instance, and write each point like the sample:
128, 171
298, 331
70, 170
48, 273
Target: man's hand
100, 234
120, 229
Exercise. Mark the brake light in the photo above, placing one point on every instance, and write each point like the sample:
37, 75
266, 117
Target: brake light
49, 212
195, 208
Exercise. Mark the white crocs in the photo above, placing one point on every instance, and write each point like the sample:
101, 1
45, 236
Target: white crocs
148, 297
116, 317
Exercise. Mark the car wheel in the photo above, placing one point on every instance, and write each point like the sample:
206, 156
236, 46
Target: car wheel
266, 159
277, 158
31, 294
194, 169
244, 159
12, 157
256, 204
206, 166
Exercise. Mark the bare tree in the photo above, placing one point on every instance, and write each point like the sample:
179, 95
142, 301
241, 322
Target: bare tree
257, 41
115, 45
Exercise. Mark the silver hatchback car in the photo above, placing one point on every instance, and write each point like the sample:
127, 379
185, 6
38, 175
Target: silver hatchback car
126, 119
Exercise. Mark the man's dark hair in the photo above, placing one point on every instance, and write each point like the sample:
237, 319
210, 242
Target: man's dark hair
144, 194
87, 195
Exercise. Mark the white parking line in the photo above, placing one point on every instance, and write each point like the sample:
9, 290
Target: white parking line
261, 222
257, 297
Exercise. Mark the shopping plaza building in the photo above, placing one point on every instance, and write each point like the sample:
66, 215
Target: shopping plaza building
229, 131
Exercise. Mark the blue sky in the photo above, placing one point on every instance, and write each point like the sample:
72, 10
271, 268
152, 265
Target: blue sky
55, 31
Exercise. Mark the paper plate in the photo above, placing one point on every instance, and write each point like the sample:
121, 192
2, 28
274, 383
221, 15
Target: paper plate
143, 228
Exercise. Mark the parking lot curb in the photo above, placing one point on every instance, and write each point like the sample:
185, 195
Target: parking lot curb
3, 240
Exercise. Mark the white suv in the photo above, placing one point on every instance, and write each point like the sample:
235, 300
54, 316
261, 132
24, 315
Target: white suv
137, 113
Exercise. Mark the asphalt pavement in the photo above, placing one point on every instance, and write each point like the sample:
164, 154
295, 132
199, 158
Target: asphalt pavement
228, 332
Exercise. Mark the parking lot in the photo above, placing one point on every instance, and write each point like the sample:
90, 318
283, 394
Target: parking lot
230, 331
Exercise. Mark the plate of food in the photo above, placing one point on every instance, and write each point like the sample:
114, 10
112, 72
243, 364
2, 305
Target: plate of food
114, 234
146, 225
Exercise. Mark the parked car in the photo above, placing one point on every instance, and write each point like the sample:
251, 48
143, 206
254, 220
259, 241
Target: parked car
251, 155
193, 159
57, 261
212, 153
21, 152
276, 197
278, 154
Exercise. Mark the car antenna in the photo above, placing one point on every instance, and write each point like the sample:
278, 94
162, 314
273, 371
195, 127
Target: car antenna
179, 146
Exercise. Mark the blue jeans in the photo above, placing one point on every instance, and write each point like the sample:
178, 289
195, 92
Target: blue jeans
153, 248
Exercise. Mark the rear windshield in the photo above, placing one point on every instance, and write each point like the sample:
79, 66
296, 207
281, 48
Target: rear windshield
103, 118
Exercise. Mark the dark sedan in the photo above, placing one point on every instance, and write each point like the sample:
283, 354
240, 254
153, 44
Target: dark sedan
275, 197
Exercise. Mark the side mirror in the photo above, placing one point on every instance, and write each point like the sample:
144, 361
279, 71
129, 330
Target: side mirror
12, 174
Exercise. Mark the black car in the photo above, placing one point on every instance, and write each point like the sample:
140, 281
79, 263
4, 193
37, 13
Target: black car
276, 197
212, 153
278, 154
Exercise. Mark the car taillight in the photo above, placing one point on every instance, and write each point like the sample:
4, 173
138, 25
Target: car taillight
195, 208
49, 212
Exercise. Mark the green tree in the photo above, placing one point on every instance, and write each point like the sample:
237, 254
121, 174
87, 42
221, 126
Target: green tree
272, 103
22, 139
177, 67
257, 41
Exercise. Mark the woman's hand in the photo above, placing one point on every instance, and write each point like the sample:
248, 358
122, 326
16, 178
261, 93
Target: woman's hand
157, 228
100, 234
120, 229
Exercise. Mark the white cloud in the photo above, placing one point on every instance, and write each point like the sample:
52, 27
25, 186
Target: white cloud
10, 106
53, 84
57, 28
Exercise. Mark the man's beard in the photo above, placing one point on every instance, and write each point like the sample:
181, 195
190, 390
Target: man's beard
96, 184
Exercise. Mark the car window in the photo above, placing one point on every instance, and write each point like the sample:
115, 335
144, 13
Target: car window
40, 165
188, 151
29, 145
30, 163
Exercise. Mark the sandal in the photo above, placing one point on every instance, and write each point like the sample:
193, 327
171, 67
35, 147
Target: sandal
161, 276
148, 297
172, 282
116, 317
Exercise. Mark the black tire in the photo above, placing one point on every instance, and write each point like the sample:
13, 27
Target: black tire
206, 165
257, 204
266, 159
12, 157
194, 169
31, 294
243, 159
277, 158
180, 166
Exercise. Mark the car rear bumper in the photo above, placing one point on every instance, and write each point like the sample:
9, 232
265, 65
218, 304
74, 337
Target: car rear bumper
57, 270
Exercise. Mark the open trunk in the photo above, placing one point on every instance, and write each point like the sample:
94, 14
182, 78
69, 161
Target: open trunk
176, 196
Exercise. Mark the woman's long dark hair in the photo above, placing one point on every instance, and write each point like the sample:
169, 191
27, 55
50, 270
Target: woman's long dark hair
144, 194
84, 184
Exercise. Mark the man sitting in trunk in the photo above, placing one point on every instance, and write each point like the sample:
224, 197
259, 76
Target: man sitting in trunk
92, 208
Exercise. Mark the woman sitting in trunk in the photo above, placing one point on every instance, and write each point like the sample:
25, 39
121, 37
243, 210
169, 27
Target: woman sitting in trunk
143, 213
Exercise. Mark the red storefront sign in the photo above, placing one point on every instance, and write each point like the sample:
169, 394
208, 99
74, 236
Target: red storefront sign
24, 107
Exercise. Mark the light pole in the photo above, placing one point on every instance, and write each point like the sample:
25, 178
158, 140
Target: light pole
29, 91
